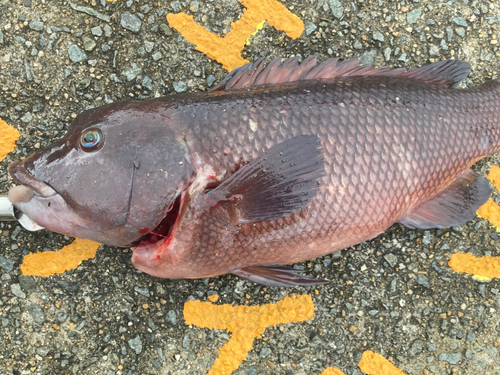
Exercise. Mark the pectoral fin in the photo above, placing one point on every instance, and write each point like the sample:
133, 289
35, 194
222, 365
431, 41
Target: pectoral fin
456, 205
277, 276
281, 181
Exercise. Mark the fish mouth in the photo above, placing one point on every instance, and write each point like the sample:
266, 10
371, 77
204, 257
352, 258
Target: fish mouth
30, 186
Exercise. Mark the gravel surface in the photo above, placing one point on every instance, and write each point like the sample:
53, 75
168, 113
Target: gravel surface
394, 295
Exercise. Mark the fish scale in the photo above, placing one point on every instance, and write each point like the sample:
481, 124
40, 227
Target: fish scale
383, 158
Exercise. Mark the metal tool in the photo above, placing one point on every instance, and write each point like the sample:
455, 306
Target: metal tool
9, 213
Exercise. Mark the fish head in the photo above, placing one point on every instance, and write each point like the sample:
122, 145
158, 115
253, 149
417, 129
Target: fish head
110, 179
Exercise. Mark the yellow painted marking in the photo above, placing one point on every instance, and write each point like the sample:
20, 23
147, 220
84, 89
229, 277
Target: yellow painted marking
69, 257
9, 136
490, 210
245, 323
374, 364
227, 50
485, 267
213, 298
332, 371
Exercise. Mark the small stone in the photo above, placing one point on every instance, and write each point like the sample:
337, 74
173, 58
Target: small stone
368, 57
460, 31
424, 281
171, 317
67, 286
470, 337
310, 27
61, 316
387, 53
378, 36
265, 352
27, 117
413, 16
468, 353
179, 86
97, 31
131, 73
433, 51
430, 22
88, 43
36, 25
130, 22
210, 80
391, 259
76, 54
148, 46
460, 21
136, 344
16, 290
147, 83
157, 56
27, 3
358, 45
337, 8
451, 358
165, 29
27, 283
402, 57
107, 31
416, 347
6, 264
37, 313
142, 290
353, 329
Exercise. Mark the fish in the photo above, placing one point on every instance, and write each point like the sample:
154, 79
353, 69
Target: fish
275, 165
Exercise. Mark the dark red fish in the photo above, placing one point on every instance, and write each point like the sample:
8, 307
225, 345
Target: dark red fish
276, 165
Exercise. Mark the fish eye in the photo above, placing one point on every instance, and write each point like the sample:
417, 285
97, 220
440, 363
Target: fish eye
91, 139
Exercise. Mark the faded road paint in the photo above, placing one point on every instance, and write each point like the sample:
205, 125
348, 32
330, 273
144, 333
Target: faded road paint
374, 364
8, 139
69, 257
246, 323
491, 210
227, 50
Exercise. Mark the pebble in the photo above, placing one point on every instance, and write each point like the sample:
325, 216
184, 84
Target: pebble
131, 73
97, 31
6, 264
1, 37
107, 31
378, 36
337, 8
310, 27
76, 54
171, 317
460, 31
27, 283
265, 352
451, 358
27, 117
157, 56
37, 313
179, 86
424, 281
460, 21
90, 11
136, 344
165, 29
130, 22
416, 347
387, 53
16, 290
391, 259
142, 290
413, 16
88, 43
148, 46
36, 25
211, 79
402, 57
358, 45
368, 57
147, 83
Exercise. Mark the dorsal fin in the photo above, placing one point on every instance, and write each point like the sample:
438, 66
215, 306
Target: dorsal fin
446, 73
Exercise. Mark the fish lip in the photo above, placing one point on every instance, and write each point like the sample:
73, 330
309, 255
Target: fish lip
19, 173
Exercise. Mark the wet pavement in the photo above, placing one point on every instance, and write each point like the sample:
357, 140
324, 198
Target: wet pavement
393, 301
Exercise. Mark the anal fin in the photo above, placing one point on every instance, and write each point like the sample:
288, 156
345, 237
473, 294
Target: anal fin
277, 276
456, 205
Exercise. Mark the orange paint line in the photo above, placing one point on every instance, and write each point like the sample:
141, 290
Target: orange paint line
374, 364
50, 263
332, 371
8, 138
490, 210
488, 267
246, 323
227, 50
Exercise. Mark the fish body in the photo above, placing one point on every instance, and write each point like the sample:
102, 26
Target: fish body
367, 147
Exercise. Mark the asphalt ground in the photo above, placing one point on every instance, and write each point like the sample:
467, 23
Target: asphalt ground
393, 301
